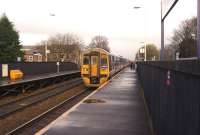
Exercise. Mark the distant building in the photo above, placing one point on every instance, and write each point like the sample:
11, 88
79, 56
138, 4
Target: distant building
32, 57
31, 54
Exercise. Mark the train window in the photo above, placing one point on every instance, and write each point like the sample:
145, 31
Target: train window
93, 59
103, 62
86, 60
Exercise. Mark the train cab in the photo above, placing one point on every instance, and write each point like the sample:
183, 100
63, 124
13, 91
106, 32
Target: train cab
95, 67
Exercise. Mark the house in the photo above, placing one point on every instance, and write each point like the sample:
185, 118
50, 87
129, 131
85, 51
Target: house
31, 54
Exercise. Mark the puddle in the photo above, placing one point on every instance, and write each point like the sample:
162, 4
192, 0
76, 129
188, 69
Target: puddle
23, 104
90, 101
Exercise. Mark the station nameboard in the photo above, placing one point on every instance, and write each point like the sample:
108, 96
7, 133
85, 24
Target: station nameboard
167, 6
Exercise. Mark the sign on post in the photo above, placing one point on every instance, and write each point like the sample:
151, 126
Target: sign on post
142, 50
19, 59
4, 70
58, 67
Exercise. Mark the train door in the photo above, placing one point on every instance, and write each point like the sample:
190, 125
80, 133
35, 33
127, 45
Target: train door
85, 65
104, 68
94, 69
85, 69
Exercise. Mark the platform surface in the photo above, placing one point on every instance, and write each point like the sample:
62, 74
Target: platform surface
122, 113
34, 78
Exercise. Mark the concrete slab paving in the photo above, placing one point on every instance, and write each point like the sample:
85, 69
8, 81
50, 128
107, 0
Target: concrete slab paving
122, 113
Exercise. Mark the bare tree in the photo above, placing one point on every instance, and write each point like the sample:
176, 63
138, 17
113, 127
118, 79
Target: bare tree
169, 52
184, 38
41, 47
63, 47
100, 42
151, 50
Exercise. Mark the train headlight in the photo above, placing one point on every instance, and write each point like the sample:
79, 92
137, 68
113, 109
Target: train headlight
85, 69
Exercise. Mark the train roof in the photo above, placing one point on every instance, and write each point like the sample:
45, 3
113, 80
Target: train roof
88, 50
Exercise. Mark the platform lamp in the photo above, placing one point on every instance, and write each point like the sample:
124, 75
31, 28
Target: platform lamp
145, 54
46, 51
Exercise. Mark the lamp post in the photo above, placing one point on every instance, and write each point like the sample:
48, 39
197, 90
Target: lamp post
46, 53
145, 54
138, 55
45, 47
162, 35
198, 29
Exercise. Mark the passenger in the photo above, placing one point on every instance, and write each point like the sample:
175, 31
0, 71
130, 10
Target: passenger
132, 65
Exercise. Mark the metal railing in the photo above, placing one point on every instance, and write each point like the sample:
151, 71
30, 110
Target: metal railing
172, 93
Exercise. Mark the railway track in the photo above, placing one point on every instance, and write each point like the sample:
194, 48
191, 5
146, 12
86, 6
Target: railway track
25, 128
19, 114
13, 106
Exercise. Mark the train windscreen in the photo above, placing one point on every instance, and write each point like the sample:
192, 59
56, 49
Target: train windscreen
86, 60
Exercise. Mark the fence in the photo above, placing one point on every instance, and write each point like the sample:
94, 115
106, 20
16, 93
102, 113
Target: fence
172, 92
37, 68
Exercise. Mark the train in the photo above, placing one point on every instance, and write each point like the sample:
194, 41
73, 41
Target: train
98, 66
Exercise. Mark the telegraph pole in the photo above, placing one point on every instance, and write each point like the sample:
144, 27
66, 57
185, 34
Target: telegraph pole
198, 29
46, 53
145, 49
162, 36
162, 41
163, 16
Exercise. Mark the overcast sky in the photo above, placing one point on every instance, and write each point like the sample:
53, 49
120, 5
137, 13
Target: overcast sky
124, 26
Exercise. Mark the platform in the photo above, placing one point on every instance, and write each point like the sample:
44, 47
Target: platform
121, 113
34, 78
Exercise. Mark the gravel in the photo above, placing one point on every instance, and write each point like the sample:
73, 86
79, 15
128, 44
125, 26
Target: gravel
20, 117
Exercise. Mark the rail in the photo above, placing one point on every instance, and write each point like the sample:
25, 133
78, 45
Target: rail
39, 117
25, 102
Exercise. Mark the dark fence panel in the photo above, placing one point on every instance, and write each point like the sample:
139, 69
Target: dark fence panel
38, 68
172, 92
